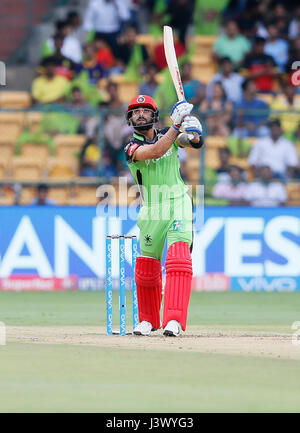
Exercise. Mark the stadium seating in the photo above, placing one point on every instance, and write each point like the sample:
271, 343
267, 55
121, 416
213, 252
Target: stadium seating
33, 119
7, 150
127, 89
15, 99
11, 125
83, 195
215, 141
68, 147
293, 190
24, 168
3, 170
60, 194
148, 40
61, 169
40, 152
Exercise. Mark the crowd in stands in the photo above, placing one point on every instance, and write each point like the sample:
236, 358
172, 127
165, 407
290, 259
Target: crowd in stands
251, 100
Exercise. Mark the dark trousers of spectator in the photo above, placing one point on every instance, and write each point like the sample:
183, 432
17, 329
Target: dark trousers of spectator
111, 40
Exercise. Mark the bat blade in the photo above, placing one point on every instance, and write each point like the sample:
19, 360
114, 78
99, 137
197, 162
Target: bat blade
172, 62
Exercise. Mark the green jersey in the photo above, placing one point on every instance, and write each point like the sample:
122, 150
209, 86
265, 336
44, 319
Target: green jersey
158, 179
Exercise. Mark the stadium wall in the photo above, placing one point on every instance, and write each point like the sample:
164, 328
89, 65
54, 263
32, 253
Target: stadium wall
63, 248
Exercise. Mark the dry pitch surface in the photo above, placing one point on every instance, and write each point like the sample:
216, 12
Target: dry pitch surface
196, 339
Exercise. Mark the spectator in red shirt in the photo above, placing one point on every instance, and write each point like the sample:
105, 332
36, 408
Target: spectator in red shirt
103, 53
260, 67
159, 53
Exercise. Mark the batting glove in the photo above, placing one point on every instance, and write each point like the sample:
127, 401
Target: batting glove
179, 111
191, 125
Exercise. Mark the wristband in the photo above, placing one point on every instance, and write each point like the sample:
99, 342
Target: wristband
176, 127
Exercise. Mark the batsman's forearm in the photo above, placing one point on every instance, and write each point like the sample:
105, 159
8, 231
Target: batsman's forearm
157, 150
165, 142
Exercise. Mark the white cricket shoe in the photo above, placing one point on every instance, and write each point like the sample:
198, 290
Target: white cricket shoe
172, 329
143, 328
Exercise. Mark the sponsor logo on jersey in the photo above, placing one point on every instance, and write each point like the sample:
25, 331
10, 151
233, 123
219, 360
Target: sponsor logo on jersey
177, 226
148, 240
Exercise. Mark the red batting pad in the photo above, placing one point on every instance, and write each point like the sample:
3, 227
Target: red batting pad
178, 283
149, 289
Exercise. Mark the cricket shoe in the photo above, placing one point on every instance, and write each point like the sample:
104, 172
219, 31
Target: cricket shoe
172, 329
143, 328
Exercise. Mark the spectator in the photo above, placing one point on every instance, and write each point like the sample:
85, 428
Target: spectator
41, 198
90, 65
265, 191
260, 67
194, 90
150, 84
49, 88
159, 53
113, 125
276, 47
230, 80
103, 53
82, 110
64, 66
132, 54
207, 16
223, 170
289, 103
231, 44
181, 14
217, 123
129, 44
74, 21
232, 190
281, 20
106, 18
89, 158
276, 152
294, 26
252, 113
70, 46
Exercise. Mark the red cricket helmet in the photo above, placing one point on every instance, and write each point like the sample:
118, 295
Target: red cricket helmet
142, 101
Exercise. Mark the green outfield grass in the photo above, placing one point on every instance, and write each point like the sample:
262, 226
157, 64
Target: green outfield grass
78, 378
258, 311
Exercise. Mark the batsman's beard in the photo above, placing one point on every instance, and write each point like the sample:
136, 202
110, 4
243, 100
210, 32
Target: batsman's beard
142, 126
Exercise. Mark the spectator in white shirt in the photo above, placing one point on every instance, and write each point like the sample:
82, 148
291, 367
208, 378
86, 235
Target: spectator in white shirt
276, 152
294, 27
266, 191
231, 81
232, 190
105, 17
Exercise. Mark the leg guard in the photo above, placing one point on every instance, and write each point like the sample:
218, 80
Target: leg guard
178, 283
149, 289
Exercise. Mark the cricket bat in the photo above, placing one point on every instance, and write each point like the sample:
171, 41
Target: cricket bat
176, 78
172, 62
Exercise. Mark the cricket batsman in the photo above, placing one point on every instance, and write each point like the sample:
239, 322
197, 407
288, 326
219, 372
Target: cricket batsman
166, 212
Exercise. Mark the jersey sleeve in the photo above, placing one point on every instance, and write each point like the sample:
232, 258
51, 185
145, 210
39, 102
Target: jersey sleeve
130, 149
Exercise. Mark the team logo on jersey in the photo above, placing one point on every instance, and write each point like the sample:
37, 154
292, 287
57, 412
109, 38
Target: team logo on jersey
140, 99
148, 240
177, 226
